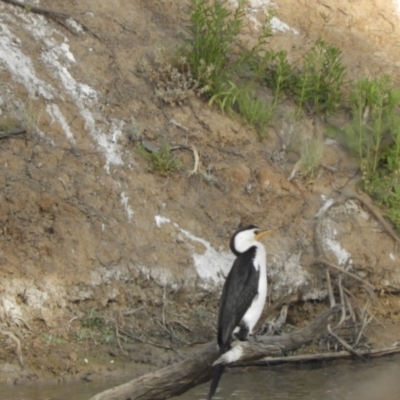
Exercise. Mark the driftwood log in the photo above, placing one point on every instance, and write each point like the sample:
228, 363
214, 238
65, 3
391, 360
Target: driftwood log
180, 377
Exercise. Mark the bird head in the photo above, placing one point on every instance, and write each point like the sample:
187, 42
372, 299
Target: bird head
245, 238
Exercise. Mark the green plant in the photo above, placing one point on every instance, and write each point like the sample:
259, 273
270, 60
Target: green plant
162, 161
318, 84
7, 126
226, 96
217, 59
92, 319
279, 74
373, 132
242, 99
213, 32
50, 339
95, 328
374, 135
254, 111
310, 156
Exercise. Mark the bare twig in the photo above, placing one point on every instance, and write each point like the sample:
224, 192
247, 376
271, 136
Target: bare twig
196, 160
146, 341
71, 320
354, 276
13, 133
25, 323
196, 157
320, 253
374, 212
118, 341
174, 321
342, 302
130, 312
164, 305
277, 324
349, 306
344, 343
176, 123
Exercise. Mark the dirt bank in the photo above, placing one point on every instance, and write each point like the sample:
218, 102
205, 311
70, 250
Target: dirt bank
106, 265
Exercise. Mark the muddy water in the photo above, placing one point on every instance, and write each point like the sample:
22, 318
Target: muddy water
374, 380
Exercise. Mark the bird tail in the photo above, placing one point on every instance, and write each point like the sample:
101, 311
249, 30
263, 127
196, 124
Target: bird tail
218, 370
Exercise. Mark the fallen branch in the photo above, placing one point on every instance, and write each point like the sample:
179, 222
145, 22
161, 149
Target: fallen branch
326, 356
180, 377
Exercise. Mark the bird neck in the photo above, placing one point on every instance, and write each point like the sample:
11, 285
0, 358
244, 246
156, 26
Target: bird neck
241, 246
260, 258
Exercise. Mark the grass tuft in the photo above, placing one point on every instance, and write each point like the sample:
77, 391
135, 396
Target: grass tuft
162, 161
318, 85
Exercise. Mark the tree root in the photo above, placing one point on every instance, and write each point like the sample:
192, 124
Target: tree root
359, 317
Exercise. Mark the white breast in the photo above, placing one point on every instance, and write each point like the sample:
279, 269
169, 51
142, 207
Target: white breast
254, 312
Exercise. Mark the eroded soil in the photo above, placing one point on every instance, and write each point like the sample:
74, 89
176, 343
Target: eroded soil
105, 265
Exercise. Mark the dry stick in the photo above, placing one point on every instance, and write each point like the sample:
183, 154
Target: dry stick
325, 356
353, 196
163, 307
321, 253
196, 160
180, 377
354, 276
366, 319
196, 157
348, 304
174, 321
321, 259
271, 309
17, 345
26, 324
118, 341
13, 133
344, 344
365, 323
343, 304
276, 326
130, 312
146, 341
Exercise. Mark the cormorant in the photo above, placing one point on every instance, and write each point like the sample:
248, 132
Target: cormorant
243, 295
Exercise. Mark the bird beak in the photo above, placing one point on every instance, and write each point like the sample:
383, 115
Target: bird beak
262, 234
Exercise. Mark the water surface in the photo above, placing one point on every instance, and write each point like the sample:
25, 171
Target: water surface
340, 380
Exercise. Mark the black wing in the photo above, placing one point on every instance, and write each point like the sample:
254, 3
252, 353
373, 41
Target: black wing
240, 288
